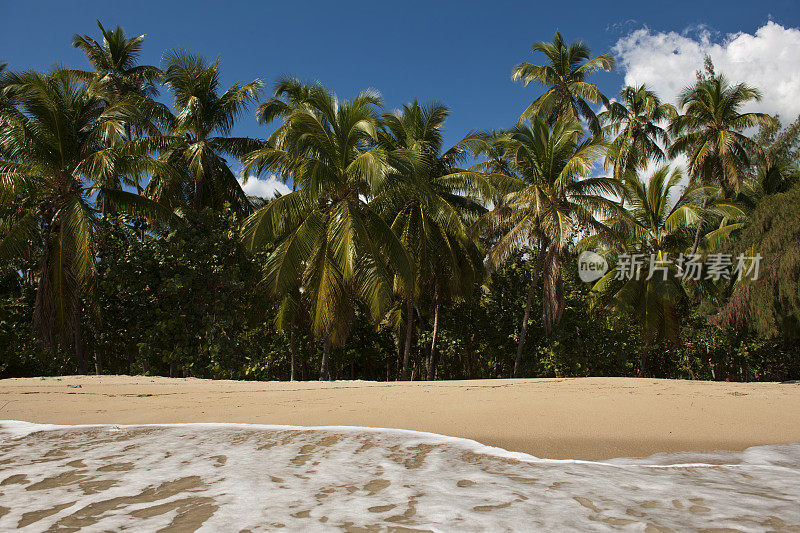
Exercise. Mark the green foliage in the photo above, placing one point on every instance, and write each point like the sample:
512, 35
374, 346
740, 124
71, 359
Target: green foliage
189, 301
770, 305
387, 259
22, 355
568, 94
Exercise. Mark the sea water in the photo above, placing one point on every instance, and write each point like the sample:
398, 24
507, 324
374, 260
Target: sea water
241, 477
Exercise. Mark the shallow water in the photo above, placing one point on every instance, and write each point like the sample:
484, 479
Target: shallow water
232, 477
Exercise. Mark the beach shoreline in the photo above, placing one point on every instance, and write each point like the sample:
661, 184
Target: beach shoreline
572, 418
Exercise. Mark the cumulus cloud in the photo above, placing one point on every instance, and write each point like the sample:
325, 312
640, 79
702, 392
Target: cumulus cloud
767, 59
263, 188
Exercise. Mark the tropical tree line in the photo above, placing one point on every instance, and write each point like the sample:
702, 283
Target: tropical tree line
128, 242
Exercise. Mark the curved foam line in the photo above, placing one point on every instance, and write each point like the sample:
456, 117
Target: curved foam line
19, 429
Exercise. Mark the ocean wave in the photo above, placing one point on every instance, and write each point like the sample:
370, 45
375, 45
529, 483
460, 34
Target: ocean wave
233, 477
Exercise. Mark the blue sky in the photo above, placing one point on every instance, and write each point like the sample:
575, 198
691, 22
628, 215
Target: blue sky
460, 53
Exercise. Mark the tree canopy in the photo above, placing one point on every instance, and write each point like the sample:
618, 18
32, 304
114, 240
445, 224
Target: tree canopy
127, 240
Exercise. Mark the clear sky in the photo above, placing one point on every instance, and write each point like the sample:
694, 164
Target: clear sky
460, 53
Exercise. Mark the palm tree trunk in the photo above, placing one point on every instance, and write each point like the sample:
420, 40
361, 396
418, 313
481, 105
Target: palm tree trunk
524, 327
699, 230
325, 371
304, 371
642, 363
432, 356
529, 303
98, 363
399, 355
552, 291
409, 336
198, 193
143, 227
79, 354
293, 347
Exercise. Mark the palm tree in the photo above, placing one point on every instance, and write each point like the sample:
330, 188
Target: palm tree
5, 105
428, 213
551, 201
568, 93
197, 137
659, 224
779, 170
60, 143
633, 123
290, 95
326, 236
710, 134
115, 62
116, 77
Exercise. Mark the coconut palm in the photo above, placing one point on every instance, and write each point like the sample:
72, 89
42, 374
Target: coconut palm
118, 76
326, 236
779, 170
115, 62
567, 93
710, 134
60, 143
197, 137
5, 105
553, 199
424, 204
659, 224
290, 95
633, 123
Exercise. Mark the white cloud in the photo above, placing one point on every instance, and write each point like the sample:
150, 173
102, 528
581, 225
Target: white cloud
768, 59
266, 188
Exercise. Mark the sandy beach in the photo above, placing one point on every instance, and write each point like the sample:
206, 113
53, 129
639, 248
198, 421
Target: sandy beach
587, 418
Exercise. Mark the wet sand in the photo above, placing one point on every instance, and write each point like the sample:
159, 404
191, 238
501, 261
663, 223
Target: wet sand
582, 418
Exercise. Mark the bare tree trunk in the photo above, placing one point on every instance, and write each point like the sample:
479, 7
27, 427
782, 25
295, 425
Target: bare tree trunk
409, 336
98, 363
528, 304
173, 370
325, 371
432, 357
293, 371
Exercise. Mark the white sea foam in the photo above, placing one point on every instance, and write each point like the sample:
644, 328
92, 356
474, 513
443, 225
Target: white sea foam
230, 477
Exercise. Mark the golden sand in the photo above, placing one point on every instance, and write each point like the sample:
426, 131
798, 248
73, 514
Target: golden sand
581, 418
